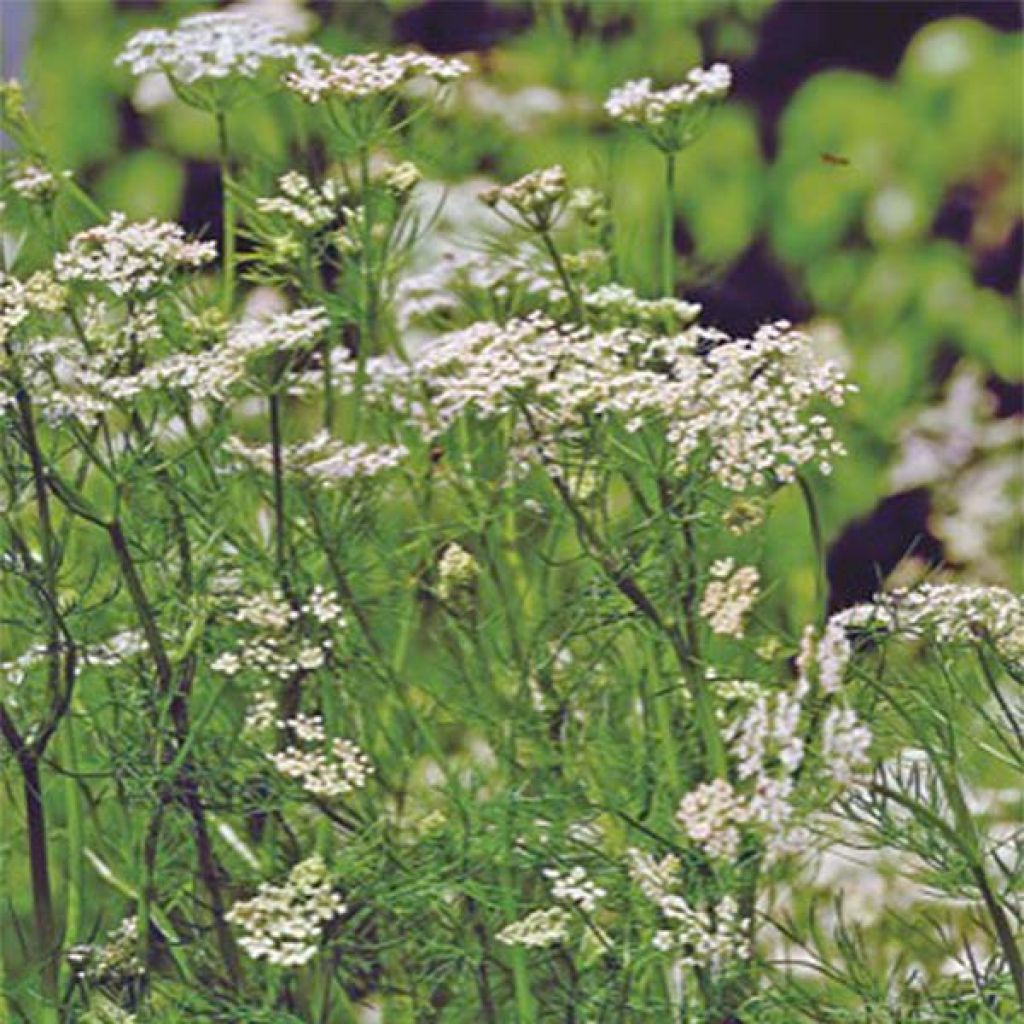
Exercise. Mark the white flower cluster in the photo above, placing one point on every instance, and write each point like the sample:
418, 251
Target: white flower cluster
284, 924
768, 750
654, 878
671, 117
36, 183
538, 930
714, 937
747, 402
711, 816
131, 259
948, 613
319, 75
303, 204
115, 961
322, 458
323, 769
825, 659
615, 304
575, 887
457, 571
205, 47
729, 596
104, 654
537, 198
19, 300
91, 379
845, 742
296, 330
274, 645
400, 179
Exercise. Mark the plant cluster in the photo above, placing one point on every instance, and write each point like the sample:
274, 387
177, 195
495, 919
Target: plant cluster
344, 674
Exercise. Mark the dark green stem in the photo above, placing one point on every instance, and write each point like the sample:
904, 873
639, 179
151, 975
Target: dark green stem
668, 247
227, 214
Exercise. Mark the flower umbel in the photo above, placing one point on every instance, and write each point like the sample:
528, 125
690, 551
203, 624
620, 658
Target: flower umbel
671, 118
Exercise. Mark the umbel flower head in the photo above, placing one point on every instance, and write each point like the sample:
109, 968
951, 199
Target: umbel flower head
671, 118
320, 76
131, 259
206, 54
283, 924
536, 199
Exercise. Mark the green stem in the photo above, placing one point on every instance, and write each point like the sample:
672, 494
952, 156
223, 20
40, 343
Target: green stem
563, 276
75, 840
368, 319
668, 227
280, 526
227, 214
817, 539
5, 830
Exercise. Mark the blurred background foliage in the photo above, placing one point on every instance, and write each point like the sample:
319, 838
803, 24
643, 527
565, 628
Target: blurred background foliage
865, 181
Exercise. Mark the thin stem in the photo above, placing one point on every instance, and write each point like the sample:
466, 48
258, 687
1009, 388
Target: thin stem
39, 867
668, 248
5, 830
227, 215
563, 275
75, 839
277, 458
817, 539
147, 620
325, 358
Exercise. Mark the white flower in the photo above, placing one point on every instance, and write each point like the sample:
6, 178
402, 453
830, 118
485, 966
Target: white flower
319, 75
671, 117
457, 571
36, 183
283, 924
324, 769
573, 886
130, 259
207, 47
950, 614
537, 930
711, 815
729, 597
749, 402
537, 198
322, 459
304, 204
845, 741
615, 304
117, 960
655, 878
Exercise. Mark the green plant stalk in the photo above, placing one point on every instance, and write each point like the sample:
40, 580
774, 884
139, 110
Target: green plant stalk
28, 755
563, 276
663, 720
526, 1007
965, 827
368, 319
280, 522
685, 648
227, 215
75, 842
817, 539
5, 826
668, 254
42, 902
162, 921
147, 874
